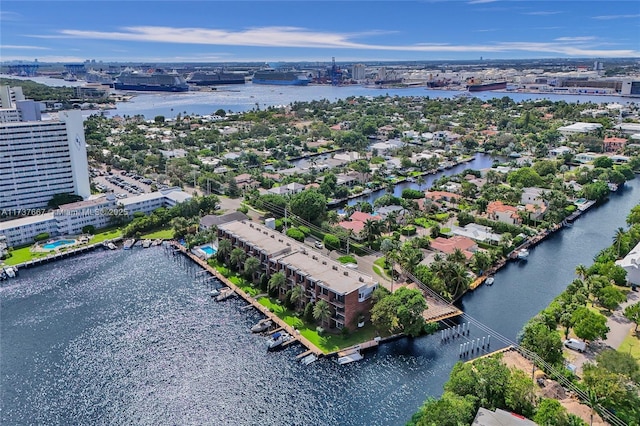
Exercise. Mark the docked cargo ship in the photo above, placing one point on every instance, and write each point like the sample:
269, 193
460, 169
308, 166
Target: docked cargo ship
284, 78
213, 78
154, 81
498, 85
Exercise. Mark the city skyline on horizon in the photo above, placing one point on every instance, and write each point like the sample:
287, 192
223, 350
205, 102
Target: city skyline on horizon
312, 31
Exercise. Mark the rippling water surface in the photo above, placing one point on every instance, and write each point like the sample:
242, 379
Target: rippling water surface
132, 337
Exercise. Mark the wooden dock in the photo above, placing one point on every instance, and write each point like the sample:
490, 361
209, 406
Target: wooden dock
64, 254
263, 309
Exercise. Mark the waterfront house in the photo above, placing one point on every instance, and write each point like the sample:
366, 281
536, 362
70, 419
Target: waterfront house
477, 233
448, 245
348, 292
500, 212
631, 264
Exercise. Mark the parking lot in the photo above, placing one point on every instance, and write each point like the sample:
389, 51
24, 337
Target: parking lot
121, 183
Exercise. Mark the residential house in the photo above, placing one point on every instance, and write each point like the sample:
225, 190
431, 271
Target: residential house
211, 220
631, 264
245, 180
288, 189
614, 144
500, 212
356, 223
477, 233
499, 417
559, 151
579, 127
448, 245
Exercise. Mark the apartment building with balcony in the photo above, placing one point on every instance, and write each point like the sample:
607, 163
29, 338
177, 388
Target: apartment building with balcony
348, 292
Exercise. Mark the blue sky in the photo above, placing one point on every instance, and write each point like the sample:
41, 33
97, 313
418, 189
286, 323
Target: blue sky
267, 31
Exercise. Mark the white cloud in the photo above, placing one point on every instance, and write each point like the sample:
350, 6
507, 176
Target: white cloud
481, 1
295, 37
9, 16
13, 46
586, 38
608, 17
543, 13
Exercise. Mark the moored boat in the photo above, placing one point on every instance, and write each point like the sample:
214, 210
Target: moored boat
154, 81
523, 254
277, 339
309, 359
146, 243
349, 356
129, 243
225, 293
262, 325
489, 281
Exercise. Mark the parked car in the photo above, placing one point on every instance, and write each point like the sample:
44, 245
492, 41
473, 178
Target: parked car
576, 345
318, 244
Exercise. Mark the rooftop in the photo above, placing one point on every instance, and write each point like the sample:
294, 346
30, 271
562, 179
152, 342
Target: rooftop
24, 221
271, 242
331, 273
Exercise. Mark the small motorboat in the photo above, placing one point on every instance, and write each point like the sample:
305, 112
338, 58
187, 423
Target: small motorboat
262, 325
225, 293
277, 339
215, 292
350, 356
128, 244
309, 359
523, 254
489, 281
146, 243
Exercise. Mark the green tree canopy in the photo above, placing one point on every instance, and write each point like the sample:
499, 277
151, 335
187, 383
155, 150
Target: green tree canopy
310, 205
400, 312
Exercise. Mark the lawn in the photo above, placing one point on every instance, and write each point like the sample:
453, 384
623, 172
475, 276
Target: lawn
379, 267
163, 234
347, 259
23, 255
106, 235
631, 345
326, 343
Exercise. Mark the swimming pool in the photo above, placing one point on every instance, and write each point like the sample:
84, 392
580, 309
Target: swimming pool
56, 244
210, 251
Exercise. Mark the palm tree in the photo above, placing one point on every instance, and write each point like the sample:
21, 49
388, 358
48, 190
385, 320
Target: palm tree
582, 271
224, 250
618, 238
457, 256
237, 257
322, 311
421, 181
251, 266
371, 229
276, 282
297, 295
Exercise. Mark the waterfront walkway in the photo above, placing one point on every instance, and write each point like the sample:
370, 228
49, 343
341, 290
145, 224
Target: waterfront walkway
273, 317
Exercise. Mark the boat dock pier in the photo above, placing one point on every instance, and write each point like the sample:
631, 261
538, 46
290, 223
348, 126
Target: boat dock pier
297, 337
64, 254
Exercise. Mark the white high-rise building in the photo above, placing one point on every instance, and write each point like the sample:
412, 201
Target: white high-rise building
39, 159
358, 72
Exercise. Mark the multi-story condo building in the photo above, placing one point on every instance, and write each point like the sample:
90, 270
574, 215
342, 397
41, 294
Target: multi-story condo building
347, 291
39, 159
97, 212
70, 219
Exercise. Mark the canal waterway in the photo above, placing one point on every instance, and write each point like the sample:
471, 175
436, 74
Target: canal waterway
132, 337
